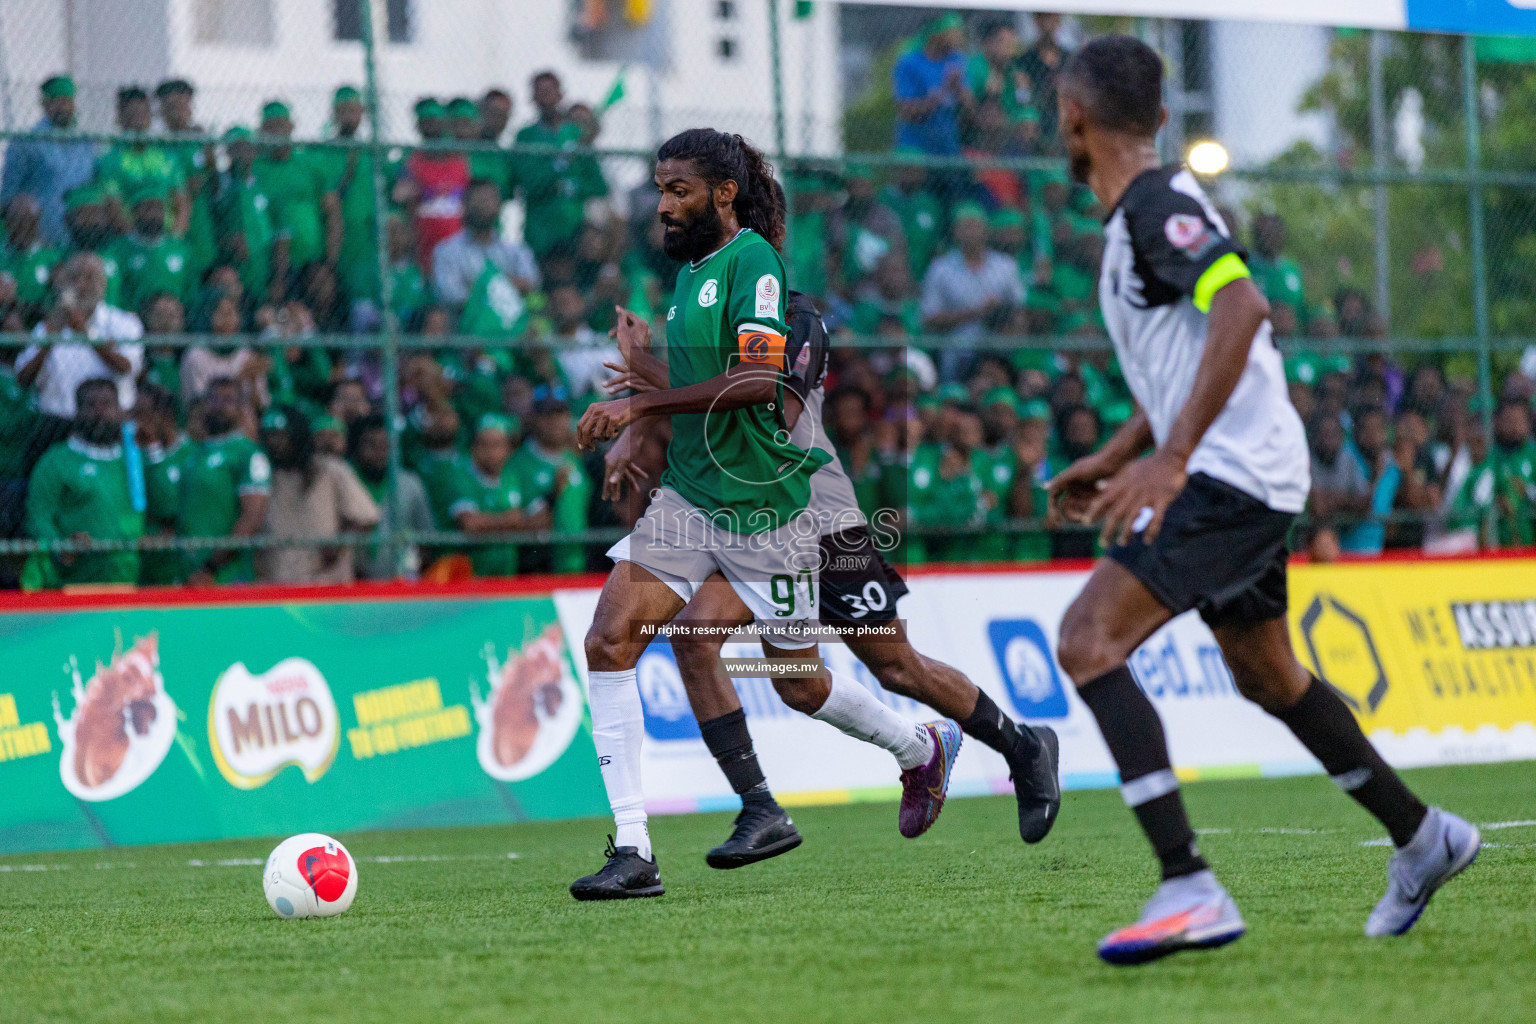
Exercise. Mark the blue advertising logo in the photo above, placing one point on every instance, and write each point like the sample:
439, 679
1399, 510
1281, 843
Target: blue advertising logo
1028, 668
663, 699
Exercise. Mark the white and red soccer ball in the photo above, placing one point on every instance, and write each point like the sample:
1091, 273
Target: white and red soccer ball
309, 875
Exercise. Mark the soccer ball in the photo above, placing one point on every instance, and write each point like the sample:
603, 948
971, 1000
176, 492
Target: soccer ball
310, 875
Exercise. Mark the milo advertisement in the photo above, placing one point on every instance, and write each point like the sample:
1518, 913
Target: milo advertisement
149, 725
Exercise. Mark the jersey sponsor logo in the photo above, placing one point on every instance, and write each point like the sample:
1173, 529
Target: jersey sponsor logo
1188, 233
767, 296
710, 293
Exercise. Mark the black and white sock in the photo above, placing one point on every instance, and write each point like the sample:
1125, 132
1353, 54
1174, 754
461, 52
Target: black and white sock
1016, 741
729, 741
1134, 735
1326, 727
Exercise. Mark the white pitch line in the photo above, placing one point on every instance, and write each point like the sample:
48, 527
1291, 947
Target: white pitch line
250, 862
1494, 826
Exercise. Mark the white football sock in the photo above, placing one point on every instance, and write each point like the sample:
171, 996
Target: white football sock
854, 710
618, 728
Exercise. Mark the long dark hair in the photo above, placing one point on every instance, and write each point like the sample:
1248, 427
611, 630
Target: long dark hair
724, 156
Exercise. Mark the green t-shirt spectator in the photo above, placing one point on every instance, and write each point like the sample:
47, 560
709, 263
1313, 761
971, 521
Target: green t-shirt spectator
556, 188
439, 472
198, 179
1280, 281
18, 419
214, 476
538, 471
302, 380
1516, 471
352, 181
83, 488
294, 188
476, 493
149, 266
32, 268
922, 224
129, 168
243, 209
162, 490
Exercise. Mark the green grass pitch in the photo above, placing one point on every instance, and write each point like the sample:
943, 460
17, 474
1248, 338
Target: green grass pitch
965, 924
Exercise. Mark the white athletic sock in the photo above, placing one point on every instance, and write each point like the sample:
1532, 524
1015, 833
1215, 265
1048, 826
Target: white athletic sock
857, 712
618, 727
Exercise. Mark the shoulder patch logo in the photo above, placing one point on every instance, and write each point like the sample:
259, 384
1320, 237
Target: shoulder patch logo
1183, 230
710, 293
767, 296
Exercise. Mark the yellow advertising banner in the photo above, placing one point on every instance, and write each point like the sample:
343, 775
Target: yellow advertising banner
1422, 645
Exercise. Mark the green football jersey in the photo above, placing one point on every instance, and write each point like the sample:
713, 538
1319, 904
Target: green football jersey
242, 208
537, 470
556, 188
294, 187
439, 472
83, 488
351, 178
736, 463
150, 267
33, 269
214, 476
162, 488
125, 168
18, 420
922, 223
475, 492
191, 163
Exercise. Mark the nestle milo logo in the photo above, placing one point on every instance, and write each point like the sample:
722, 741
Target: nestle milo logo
259, 724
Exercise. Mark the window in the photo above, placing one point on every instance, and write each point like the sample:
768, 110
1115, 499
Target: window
235, 22
725, 48
347, 16
725, 10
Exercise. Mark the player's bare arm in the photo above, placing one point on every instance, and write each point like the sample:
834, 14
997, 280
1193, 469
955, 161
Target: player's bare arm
739, 386
1237, 311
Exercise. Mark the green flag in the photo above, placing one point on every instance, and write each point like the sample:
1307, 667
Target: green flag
615, 92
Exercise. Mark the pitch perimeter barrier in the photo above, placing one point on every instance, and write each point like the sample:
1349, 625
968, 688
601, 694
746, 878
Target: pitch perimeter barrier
206, 716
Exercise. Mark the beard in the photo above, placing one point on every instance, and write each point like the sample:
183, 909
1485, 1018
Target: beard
475, 222
1079, 165
217, 423
688, 240
99, 432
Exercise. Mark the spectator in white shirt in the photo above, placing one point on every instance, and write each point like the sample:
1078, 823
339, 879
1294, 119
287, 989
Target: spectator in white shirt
112, 348
460, 258
969, 290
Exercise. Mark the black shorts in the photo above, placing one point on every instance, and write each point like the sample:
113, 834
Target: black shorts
1220, 550
857, 584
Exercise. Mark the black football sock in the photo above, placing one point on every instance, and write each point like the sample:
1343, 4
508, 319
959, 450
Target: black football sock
1325, 726
728, 739
1134, 735
1016, 741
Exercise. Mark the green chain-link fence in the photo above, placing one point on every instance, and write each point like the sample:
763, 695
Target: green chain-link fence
1392, 241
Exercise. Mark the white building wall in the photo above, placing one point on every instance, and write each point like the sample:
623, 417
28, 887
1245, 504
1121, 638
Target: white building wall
1259, 73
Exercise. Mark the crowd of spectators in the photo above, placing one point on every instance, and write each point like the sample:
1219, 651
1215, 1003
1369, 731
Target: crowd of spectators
271, 426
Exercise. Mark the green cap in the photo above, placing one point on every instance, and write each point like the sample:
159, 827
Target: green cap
238, 133
1001, 396
964, 210
953, 392
427, 108
859, 169
328, 422
943, 23
1008, 217
88, 194
275, 420
274, 109
928, 401
496, 421
58, 85
347, 94
1035, 409
461, 107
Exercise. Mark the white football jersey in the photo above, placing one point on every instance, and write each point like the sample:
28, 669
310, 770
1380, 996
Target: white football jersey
1159, 243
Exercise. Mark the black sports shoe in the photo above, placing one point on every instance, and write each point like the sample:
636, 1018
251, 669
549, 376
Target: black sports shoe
1037, 788
761, 831
626, 876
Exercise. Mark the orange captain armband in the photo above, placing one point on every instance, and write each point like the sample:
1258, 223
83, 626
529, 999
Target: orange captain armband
760, 346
